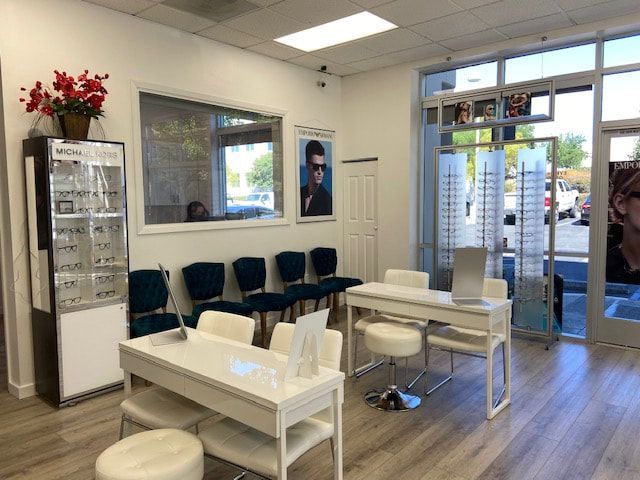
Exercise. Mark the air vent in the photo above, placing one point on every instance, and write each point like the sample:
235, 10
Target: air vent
216, 10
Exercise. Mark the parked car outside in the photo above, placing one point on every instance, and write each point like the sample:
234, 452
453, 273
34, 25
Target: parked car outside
258, 199
567, 202
585, 212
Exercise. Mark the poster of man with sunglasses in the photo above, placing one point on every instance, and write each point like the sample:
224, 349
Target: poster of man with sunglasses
623, 233
315, 175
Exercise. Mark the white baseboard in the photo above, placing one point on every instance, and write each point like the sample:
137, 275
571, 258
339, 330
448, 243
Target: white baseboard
22, 391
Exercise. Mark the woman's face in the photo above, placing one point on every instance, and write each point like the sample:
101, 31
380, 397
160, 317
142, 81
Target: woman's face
629, 207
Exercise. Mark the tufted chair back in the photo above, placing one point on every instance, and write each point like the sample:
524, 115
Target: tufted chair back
325, 261
147, 291
407, 278
204, 280
291, 266
250, 272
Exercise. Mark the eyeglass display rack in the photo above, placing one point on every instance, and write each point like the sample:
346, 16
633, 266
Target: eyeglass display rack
529, 297
79, 264
489, 195
452, 176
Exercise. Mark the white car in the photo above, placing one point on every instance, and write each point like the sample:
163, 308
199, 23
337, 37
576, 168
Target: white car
258, 199
567, 201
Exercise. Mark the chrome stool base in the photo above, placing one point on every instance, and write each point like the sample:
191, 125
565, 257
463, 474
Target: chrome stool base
391, 400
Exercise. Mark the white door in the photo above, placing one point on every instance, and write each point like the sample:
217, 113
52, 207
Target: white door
617, 222
361, 219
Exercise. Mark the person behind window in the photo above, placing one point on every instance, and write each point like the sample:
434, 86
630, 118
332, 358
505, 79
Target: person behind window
314, 198
196, 212
623, 260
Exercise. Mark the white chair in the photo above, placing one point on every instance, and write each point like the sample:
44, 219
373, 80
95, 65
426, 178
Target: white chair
158, 407
251, 450
470, 342
406, 278
392, 339
156, 455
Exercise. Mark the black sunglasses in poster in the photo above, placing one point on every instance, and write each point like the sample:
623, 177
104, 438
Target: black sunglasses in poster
318, 166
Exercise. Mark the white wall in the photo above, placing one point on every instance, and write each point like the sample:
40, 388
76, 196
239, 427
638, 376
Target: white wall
379, 111
38, 36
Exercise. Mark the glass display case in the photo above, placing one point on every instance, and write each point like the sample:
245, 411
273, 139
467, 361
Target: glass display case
79, 264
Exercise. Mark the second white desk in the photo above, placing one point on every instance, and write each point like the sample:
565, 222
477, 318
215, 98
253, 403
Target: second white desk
437, 305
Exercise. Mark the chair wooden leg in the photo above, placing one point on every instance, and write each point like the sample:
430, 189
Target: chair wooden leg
336, 301
315, 309
282, 314
329, 300
263, 328
292, 313
303, 307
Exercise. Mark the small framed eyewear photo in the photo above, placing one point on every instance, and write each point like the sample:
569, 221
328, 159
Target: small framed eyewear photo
315, 175
65, 206
464, 112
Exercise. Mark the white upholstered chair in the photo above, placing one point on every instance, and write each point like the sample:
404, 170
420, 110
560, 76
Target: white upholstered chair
406, 278
249, 449
158, 407
467, 341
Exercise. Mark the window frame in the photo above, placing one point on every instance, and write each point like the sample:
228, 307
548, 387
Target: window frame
138, 88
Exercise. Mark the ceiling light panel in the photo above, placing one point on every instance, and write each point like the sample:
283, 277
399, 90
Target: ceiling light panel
353, 27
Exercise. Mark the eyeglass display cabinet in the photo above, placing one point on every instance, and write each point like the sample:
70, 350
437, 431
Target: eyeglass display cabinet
79, 264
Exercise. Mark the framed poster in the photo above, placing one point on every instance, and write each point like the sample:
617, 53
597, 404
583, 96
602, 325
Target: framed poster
315, 186
624, 218
519, 105
463, 112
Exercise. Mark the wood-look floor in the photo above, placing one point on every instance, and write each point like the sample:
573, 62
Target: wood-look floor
575, 415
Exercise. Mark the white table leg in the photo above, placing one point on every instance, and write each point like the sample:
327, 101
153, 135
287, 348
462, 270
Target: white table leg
507, 359
127, 384
490, 412
281, 445
337, 436
350, 365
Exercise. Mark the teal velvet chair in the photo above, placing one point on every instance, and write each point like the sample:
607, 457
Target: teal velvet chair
325, 263
251, 274
205, 281
147, 295
292, 268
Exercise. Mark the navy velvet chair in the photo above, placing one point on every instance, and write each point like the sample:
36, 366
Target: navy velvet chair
147, 295
325, 262
292, 268
205, 281
251, 274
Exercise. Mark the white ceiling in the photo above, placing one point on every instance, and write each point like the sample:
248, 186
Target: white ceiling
427, 27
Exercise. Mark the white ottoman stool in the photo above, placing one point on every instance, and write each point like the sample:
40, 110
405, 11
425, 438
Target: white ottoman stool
165, 454
393, 340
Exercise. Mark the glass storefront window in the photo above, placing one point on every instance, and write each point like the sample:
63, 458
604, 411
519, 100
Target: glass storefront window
550, 64
621, 96
622, 51
462, 79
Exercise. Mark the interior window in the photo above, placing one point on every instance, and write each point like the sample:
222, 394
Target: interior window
194, 170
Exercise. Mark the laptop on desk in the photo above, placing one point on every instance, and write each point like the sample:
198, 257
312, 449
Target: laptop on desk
468, 276
170, 336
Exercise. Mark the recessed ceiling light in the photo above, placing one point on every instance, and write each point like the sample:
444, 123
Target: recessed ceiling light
339, 31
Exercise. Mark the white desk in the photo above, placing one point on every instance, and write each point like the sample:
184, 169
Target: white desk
240, 381
437, 305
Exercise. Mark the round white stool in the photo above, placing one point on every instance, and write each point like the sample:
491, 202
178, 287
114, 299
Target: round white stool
393, 340
164, 454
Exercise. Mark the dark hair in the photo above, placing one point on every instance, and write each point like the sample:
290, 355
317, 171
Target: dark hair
314, 147
191, 212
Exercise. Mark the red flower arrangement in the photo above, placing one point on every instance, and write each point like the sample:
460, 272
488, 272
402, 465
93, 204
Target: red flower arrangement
83, 95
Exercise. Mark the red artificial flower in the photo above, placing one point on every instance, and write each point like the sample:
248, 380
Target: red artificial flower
82, 94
